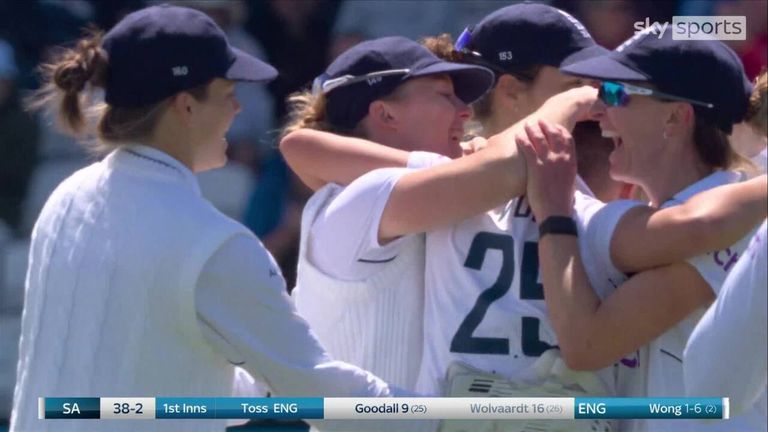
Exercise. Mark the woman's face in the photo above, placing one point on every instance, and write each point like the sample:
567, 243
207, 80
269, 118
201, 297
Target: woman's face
637, 130
212, 118
429, 116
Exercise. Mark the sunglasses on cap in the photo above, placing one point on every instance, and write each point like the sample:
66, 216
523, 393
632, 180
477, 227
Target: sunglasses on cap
616, 94
461, 53
324, 84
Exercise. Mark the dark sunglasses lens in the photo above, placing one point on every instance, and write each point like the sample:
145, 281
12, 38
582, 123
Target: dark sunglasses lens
613, 94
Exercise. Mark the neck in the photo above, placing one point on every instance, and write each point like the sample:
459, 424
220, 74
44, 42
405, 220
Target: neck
174, 143
674, 172
605, 188
388, 139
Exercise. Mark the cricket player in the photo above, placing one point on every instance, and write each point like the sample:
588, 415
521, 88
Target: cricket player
671, 139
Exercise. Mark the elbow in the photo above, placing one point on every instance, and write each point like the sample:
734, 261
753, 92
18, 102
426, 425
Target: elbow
296, 149
582, 356
576, 360
291, 143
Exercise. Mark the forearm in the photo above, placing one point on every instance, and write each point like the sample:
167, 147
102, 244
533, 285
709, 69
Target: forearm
451, 192
712, 220
474, 184
594, 333
571, 301
563, 111
322, 157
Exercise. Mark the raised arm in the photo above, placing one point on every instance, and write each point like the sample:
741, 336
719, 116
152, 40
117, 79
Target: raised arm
449, 193
593, 333
711, 220
437, 196
321, 157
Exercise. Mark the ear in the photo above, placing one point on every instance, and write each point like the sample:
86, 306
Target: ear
182, 106
511, 87
679, 119
383, 114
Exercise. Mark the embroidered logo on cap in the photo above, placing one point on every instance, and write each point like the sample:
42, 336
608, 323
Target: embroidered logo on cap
505, 55
180, 70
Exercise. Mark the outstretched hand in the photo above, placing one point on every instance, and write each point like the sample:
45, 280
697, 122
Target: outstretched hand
550, 158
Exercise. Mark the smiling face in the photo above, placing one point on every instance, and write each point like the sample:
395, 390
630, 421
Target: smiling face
637, 131
428, 116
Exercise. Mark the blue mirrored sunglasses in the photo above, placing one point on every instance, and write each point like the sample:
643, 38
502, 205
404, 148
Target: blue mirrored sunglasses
616, 94
462, 42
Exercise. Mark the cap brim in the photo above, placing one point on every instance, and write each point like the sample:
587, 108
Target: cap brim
248, 68
605, 68
470, 82
585, 54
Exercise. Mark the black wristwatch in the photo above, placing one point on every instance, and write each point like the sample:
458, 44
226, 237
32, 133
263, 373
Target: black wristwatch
558, 225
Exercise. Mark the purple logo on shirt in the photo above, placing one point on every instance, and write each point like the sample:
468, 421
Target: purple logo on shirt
632, 362
726, 258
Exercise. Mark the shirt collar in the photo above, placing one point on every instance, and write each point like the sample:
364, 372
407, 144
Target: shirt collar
162, 162
717, 178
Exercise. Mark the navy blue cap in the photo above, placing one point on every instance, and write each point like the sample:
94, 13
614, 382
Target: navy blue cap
159, 51
527, 34
373, 69
702, 70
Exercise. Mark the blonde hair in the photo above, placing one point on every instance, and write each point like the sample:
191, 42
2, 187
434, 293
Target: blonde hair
306, 111
65, 78
67, 91
441, 46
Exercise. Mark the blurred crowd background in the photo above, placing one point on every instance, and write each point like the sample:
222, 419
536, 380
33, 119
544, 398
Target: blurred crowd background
298, 37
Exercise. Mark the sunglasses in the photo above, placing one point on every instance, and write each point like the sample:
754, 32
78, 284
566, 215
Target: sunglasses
616, 94
324, 84
463, 54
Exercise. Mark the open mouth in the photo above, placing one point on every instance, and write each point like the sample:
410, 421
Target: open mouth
617, 141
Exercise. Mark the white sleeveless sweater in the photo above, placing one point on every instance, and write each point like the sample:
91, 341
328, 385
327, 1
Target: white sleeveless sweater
109, 311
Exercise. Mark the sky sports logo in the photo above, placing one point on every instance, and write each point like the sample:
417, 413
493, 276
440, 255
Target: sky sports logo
697, 27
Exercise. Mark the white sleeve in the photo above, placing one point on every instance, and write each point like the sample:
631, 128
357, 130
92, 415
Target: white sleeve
343, 240
597, 222
715, 267
245, 312
422, 159
726, 353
